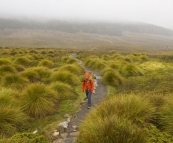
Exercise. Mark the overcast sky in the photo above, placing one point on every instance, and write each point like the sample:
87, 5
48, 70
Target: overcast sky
157, 12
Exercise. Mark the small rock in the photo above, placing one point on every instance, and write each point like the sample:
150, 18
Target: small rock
59, 141
66, 115
64, 135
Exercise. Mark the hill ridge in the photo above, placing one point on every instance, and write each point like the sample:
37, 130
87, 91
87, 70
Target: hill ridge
113, 29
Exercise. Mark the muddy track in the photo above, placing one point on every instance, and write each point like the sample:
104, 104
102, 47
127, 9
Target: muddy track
101, 92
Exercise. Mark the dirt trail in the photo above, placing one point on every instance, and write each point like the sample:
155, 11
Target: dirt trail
101, 92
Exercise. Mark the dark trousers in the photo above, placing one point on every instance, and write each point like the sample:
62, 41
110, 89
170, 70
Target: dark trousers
88, 94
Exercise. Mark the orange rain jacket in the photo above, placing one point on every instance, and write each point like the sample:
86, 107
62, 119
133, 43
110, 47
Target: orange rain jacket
88, 84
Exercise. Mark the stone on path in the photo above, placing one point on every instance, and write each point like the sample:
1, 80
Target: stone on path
65, 139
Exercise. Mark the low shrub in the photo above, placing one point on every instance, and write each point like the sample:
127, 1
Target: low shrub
26, 138
154, 135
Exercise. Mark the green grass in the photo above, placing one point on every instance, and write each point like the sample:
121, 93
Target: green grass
66, 77
14, 81
44, 73
137, 109
116, 120
64, 91
73, 68
25, 138
4, 61
7, 69
166, 116
112, 78
24, 61
31, 75
110, 130
129, 70
39, 101
46, 63
11, 115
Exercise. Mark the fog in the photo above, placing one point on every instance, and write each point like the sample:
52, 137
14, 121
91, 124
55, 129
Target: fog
157, 12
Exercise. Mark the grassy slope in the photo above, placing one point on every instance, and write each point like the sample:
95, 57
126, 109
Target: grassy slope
129, 42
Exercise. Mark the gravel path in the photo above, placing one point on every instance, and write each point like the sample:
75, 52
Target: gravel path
101, 92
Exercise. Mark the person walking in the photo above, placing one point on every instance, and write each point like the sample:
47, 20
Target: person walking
88, 87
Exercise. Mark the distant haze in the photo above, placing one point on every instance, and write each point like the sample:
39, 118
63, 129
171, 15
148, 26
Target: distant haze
157, 12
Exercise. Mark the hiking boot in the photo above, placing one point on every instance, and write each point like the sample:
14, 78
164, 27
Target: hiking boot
88, 107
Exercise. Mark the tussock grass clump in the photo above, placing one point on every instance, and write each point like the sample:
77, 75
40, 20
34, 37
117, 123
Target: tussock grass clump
19, 68
5, 62
165, 118
117, 56
43, 72
116, 65
33, 51
144, 57
8, 92
99, 64
130, 70
11, 115
7, 69
106, 57
39, 101
14, 81
95, 63
31, 75
71, 61
46, 63
65, 58
66, 77
133, 107
110, 130
139, 57
128, 59
112, 78
37, 56
116, 120
23, 61
73, 68
65, 91
158, 100
43, 52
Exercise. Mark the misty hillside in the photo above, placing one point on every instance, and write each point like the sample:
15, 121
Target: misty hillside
113, 29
